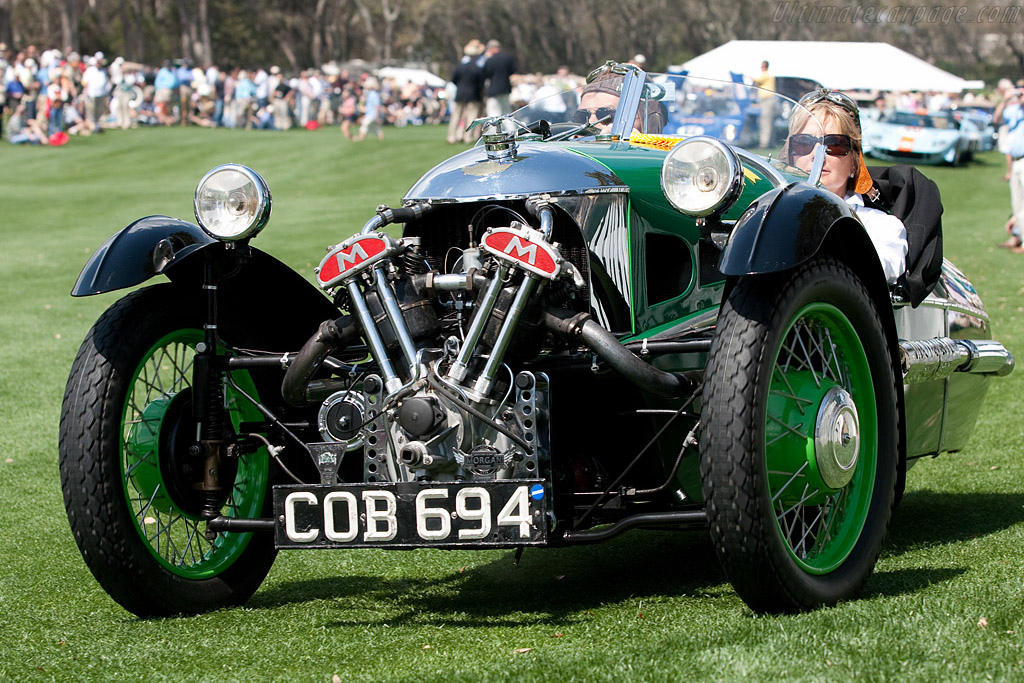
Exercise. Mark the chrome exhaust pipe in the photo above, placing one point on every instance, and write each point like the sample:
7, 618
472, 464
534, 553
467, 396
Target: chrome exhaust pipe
924, 360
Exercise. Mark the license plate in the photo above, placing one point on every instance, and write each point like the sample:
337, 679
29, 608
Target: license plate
412, 514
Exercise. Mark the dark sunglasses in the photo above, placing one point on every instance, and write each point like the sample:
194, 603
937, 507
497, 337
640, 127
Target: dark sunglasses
583, 115
803, 144
837, 98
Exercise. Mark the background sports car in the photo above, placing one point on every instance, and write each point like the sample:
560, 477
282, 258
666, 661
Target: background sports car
977, 123
920, 137
705, 112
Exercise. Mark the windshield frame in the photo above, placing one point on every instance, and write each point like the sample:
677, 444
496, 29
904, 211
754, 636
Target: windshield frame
639, 90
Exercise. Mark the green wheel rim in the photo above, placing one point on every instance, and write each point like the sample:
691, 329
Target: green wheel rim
819, 524
175, 536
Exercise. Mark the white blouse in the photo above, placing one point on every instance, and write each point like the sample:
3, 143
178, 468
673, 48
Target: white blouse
888, 235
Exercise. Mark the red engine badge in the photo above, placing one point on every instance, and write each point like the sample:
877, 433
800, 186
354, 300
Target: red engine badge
350, 257
516, 246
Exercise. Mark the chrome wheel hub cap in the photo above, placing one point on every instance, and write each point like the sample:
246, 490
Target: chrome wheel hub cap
836, 438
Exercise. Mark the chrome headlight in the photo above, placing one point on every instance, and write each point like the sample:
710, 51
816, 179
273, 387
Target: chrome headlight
701, 176
232, 202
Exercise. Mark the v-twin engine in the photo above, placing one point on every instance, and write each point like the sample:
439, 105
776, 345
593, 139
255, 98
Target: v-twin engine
439, 399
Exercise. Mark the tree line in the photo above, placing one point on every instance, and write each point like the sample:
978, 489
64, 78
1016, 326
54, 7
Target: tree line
980, 39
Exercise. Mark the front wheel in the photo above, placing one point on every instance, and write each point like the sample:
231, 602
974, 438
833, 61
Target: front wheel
127, 474
799, 437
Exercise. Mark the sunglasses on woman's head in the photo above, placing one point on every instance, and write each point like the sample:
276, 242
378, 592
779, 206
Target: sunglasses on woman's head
803, 144
583, 115
837, 98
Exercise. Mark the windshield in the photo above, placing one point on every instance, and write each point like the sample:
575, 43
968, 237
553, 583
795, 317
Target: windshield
909, 118
658, 110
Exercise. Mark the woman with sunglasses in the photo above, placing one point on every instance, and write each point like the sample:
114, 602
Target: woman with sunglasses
845, 173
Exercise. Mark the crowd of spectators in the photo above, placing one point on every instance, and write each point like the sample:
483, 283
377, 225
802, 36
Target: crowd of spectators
47, 96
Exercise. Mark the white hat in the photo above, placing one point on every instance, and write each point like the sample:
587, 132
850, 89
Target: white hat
639, 59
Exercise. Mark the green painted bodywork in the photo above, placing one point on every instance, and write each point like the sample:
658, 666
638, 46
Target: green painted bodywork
650, 213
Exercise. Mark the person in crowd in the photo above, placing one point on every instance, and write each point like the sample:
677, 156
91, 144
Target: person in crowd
245, 92
27, 76
261, 79
281, 106
469, 87
145, 112
1009, 118
124, 93
228, 117
1005, 90
95, 88
845, 173
305, 96
766, 98
183, 73
348, 111
498, 70
373, 110
23, 130
166, 85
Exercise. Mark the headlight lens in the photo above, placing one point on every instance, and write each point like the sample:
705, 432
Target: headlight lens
232, 202
701, 176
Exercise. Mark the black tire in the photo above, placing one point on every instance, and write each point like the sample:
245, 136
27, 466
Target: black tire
796, 527
133, 514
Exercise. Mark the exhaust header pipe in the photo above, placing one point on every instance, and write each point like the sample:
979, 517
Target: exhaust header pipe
579, 326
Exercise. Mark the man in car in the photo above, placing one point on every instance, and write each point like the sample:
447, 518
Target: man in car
600, 98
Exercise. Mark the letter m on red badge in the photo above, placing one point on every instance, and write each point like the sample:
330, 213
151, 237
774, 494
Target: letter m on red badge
350, 257
518, 247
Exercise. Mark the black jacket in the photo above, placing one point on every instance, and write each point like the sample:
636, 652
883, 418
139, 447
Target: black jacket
907, 194
469, 82
497, 70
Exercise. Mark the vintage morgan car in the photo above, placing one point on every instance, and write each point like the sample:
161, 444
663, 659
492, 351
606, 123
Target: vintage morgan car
566, 332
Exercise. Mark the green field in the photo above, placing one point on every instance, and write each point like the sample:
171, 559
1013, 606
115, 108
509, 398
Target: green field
946, 600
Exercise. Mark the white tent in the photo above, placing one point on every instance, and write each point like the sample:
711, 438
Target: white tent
838, 65
418, 76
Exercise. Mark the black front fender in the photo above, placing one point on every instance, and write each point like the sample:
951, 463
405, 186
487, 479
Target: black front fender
261, 302
148, 247
782, 229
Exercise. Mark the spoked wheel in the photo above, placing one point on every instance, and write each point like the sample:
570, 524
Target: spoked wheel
799, 438
128, 474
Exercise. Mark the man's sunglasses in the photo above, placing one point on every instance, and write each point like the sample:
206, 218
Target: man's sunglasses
583, 115
837, 98
803, 144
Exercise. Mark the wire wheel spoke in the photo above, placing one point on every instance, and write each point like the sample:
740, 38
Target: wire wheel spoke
807, 516
156, 431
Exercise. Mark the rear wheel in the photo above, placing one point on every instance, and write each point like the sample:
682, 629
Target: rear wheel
127, 474
799, 437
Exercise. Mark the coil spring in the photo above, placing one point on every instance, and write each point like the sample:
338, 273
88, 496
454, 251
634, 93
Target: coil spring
213, 422
414, 262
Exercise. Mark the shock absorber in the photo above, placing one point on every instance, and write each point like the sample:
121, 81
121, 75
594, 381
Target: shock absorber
208, 404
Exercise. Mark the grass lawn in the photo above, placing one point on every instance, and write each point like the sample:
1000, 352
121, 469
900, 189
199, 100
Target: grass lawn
946, 600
